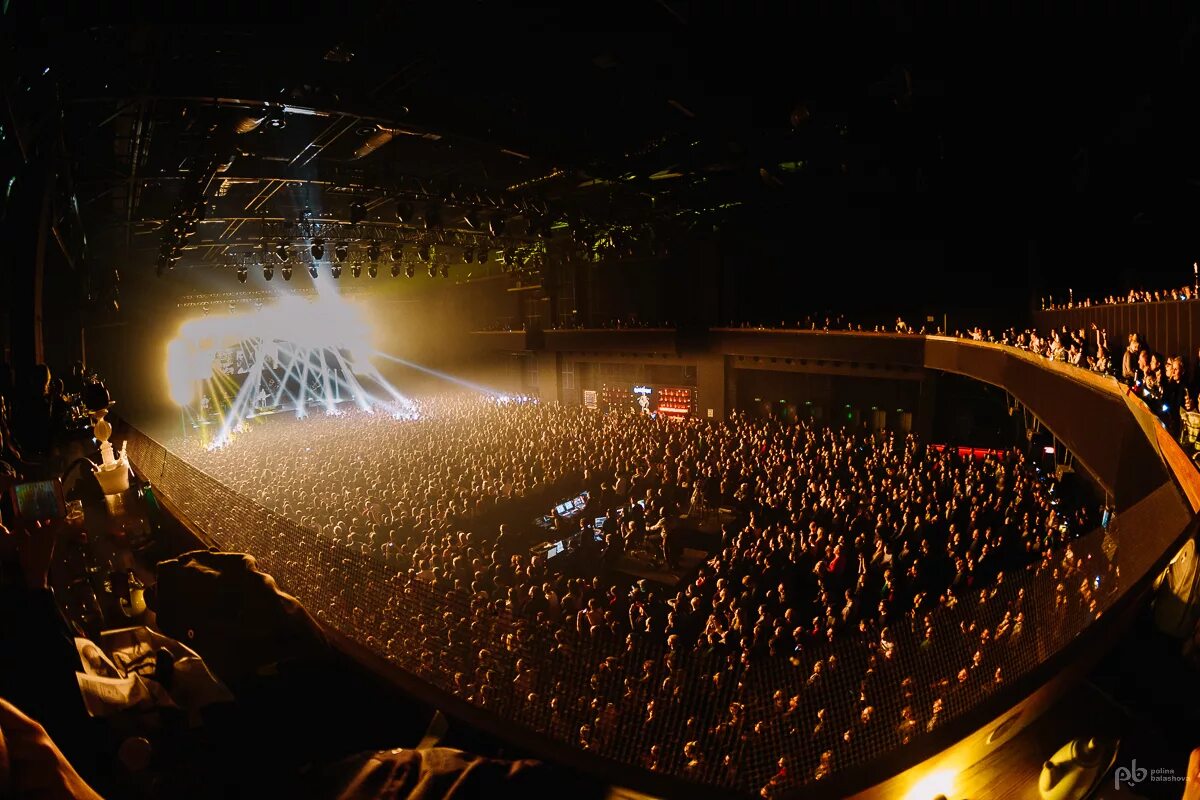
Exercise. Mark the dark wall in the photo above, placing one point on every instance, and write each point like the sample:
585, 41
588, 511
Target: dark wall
834, 399
974, 414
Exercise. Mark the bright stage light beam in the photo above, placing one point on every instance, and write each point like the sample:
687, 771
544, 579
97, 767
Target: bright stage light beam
300, 351
475, 387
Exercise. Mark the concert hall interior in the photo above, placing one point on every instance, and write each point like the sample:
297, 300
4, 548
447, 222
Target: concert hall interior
655, 399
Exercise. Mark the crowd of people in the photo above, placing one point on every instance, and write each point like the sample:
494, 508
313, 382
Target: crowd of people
35, 411
1132, 296
865, 589
1170, 385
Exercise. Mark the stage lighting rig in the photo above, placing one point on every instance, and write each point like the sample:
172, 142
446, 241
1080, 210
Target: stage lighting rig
286, 272
336, 271
373, 250
445, 270
242, 274
433, 270
358, 212
318, 249
409, 270
341, 250
483, 255
356, 270
432, 217
372, 270
496, 226
268, 272
472, 219
397, 251
312, 271
281, 251
396, 270
468, 255
404, 211
425, 252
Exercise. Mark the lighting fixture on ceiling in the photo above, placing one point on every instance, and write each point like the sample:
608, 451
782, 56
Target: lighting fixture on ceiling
356, 270
372, 270
468, 255
472, 219
286, 272
268, 272
409, 270
397, 251
425, 253
281, 251
358, 212
341, 250
445, 270
318, 249
312, 271
336, 271
373, 250
496, 225
404, 211
242, 274
396, 270
433, 270
483, 255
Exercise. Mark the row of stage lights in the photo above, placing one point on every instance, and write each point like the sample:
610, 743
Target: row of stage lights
510, 259
335, 271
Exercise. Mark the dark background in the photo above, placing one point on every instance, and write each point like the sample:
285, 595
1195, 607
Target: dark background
872, 162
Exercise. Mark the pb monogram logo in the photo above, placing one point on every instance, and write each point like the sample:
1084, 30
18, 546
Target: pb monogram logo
1131, 775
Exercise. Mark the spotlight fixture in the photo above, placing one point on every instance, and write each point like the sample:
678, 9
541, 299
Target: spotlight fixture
358, 212
281, 251
433, 270
409, 270
336, 271
286, 272
341, 250
396, 270
425, 252
318, 249
483, 255
372, 271
312, 271
356, 270
472, 219
445, 270
268, 273
397, 251
496, 226
242, 274
373, 250
404, 211
468, 255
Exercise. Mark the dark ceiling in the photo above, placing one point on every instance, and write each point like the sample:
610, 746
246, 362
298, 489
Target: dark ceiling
655, 119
